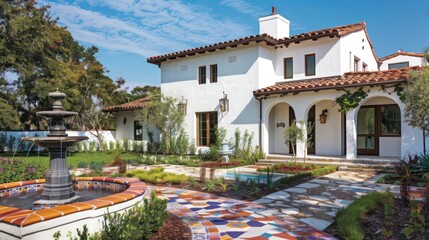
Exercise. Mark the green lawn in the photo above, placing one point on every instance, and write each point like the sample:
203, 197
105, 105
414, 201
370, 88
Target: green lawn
73, 159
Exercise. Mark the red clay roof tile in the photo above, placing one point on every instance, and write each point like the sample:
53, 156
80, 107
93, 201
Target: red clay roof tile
269, 40
136, 104
351, 79
401, 53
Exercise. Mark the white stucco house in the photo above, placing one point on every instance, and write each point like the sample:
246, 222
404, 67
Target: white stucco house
128, 127
262, 83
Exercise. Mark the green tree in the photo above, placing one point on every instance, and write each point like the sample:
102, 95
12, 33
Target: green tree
142, 92
416, 101
9, 119
45, 57
163, 113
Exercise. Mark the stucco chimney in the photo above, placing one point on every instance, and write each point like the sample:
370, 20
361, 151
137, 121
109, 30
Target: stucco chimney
274, 25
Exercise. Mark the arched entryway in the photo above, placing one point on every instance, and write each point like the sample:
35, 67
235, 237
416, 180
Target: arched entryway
280, 117
379, 128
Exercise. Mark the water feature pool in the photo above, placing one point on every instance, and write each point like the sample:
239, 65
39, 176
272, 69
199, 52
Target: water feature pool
256, 176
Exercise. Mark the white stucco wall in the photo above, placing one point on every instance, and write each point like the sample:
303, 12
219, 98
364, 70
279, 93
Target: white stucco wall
329, 138
356, 45
279, 114
413, 61
238, 79
327, 51
126, 131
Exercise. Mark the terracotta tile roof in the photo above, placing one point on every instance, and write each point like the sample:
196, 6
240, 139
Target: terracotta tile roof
328, 32
136, 104
401, 53
351, 79
269, 40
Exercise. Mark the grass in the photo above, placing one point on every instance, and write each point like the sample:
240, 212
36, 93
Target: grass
74, 159
347, 219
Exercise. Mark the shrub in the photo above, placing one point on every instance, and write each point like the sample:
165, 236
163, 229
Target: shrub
137, 223
92, 146
111, 146
119, 147
18, 170
347, 219
422, 166
157, 175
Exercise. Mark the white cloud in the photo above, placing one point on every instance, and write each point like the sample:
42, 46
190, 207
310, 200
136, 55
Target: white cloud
244, 7
144, 27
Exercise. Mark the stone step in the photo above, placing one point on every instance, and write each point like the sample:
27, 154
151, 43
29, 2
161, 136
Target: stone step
326, 160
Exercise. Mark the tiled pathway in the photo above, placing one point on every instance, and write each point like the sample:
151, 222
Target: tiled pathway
317, 201
212, 217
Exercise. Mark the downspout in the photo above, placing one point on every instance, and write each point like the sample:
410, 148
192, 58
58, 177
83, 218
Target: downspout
260, 123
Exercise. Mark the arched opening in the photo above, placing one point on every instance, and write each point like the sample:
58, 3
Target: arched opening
325, 129
379, 128
280, 117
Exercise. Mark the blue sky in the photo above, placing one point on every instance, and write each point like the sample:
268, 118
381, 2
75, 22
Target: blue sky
128, 31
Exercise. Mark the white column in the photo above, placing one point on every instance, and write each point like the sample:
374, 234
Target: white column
351, 134
301, 123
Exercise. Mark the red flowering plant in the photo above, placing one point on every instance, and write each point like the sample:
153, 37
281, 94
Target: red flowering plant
18, 170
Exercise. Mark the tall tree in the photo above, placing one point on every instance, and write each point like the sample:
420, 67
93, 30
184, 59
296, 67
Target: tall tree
163, 113
416, 101
45, 57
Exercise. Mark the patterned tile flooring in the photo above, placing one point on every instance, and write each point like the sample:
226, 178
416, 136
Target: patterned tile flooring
218, 218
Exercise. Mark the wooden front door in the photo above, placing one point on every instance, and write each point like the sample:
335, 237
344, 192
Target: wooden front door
368, 131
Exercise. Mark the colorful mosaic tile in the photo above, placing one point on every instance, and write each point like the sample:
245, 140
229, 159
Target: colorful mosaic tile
212, 217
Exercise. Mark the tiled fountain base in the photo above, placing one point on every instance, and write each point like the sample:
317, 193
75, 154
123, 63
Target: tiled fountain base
217, 218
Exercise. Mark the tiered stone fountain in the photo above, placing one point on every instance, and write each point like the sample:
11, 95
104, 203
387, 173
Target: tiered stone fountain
58, 188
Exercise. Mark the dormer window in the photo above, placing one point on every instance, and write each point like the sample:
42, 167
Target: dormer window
310, 64
202, 75
356, 64
364, 67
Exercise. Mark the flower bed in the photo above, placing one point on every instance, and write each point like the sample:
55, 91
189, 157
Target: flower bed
220, 164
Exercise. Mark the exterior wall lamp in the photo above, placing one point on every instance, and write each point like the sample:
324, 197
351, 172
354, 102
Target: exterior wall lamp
224, 103
125, 120
323, 116
182, 105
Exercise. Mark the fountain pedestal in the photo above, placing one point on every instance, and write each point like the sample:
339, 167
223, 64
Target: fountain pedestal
58, 187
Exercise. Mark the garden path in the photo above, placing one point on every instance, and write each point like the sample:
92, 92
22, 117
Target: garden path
218, 218
317, 201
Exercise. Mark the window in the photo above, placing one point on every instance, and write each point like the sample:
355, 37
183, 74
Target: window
390, 120
364, 67
202, 75
206, 124
310, 65
213, 73
399, 65
356, 64
138, 131
288, 68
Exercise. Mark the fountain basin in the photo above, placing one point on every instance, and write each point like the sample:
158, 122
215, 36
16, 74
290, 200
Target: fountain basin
17, 223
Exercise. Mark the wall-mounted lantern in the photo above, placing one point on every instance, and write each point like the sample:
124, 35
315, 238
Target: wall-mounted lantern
323, 116
182, 105
125, 120
224, 103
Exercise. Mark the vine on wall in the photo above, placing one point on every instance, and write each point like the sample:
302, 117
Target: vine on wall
349, 100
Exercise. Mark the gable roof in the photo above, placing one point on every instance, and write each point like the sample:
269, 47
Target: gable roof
351, 79
269, 40
136, 104
401, 53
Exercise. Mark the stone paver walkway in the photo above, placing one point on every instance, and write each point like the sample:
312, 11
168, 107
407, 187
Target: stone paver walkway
217, 218
317, 201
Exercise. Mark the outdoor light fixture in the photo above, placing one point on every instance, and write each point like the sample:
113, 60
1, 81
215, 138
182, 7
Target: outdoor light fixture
323, 116
125, 120
224, 103
182, 105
